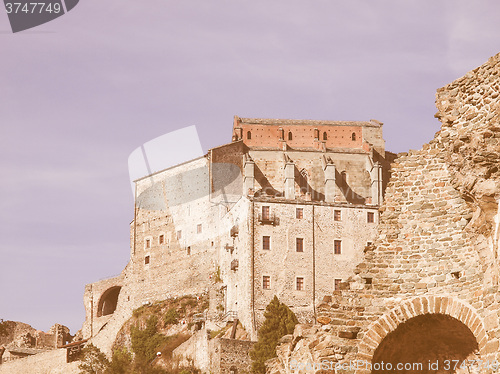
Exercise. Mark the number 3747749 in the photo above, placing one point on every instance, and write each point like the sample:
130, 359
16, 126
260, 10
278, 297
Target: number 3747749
33, 8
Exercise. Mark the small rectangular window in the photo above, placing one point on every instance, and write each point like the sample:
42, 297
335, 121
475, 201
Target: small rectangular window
370, 217
161, 239
337, 215
179, 234
266, 282
148, 243
337, 284
299, 214
199, 228
337, 247
146, 260
300, 284
266, 242
265, 213
299, 244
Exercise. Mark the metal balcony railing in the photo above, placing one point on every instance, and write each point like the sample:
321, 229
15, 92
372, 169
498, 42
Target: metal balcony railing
268, 219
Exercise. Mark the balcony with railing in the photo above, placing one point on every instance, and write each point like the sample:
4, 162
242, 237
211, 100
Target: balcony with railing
268, 219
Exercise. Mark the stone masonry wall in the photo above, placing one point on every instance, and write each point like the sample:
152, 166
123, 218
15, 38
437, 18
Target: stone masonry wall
231, 356
53, 362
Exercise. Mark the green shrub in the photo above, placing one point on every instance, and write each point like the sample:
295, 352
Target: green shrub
279, 321
120, 362
171, 317
145, 343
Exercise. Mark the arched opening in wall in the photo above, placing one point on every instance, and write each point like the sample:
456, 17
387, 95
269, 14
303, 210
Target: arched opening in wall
325, 136
429, 343
249, 135
353, 136
290, 136
108, 301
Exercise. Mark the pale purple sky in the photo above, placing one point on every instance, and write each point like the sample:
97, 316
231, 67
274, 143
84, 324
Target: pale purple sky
79, 94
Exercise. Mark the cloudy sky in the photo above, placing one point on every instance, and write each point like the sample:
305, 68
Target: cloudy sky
79, 94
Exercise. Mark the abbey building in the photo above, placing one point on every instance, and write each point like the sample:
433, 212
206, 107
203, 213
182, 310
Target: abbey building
287, 208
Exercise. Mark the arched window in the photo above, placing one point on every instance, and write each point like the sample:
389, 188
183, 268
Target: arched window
325, 136
249, 135
316, 134
353, 136
290, 135
282, 134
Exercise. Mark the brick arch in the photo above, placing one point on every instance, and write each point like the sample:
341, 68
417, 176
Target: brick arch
450, 306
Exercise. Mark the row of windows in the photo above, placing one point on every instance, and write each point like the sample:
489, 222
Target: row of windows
163, 240
299, 283
299, 214
299, 245
290, 135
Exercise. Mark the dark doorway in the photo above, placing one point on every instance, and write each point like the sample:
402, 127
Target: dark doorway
430, 343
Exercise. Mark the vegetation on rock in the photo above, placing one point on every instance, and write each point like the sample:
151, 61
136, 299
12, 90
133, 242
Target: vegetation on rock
93, 361
159, 327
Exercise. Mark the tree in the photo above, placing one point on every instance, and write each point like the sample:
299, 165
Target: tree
93, 361
279, 321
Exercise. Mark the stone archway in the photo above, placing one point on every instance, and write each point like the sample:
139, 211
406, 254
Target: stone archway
417, 320
108, 301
